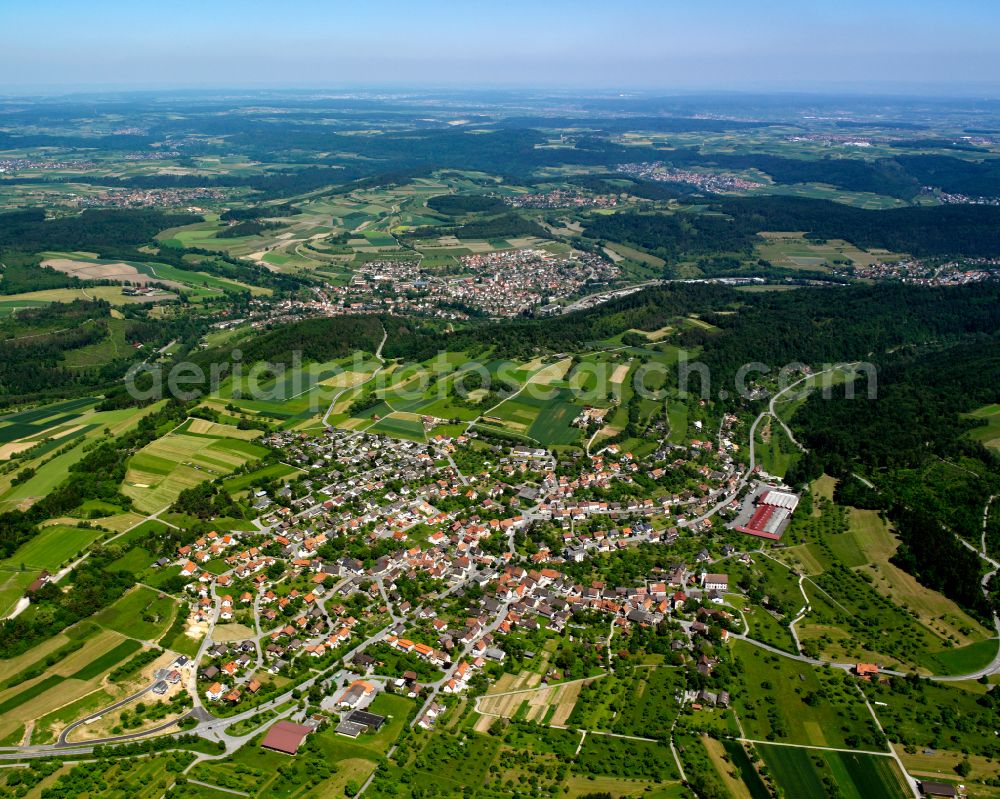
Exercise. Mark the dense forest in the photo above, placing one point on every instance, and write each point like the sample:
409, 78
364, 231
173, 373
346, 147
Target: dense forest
970, 230
672, 236
92, 230
21, 272
815, 325
930, 479
457, 204
951, 230
313, 340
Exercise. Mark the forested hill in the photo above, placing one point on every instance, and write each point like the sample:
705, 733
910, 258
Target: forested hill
939, 231
814, 325
313, 340
649, 309
921, 392
930, 478
946, 230
92, 230
821, 325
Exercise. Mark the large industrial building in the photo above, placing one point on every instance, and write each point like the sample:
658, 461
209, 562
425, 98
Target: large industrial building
771, 515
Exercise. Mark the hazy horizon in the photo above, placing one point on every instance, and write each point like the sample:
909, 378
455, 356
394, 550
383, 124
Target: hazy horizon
854, 47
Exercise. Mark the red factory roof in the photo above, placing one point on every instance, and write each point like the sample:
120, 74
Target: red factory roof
285, 737
758, 523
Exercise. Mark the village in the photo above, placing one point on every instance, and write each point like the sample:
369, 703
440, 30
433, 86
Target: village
389, 569
712, 182
922, 272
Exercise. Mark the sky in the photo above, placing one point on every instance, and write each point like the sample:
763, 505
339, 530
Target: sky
54, 45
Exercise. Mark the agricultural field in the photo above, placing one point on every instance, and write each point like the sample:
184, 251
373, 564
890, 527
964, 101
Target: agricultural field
55, 546
987, 434
803, 772
795, 251
110, 294
551, 704
37, 422
142, 613
197, 284
82, 663
780, 699
863, 607
183, 459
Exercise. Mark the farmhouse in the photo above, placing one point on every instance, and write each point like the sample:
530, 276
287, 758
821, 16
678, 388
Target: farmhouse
38, 582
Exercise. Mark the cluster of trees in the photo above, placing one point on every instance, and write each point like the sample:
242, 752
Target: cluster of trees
206, 501
35, 342
259, 212
457, 204
92, 587
31, 359
20, 272
251, 227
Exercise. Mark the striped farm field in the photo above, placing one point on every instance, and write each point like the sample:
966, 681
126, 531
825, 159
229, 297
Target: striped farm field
50, 548
801, 772
179, 460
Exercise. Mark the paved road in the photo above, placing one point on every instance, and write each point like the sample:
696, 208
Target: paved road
94, 716
745, 478
339, 394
